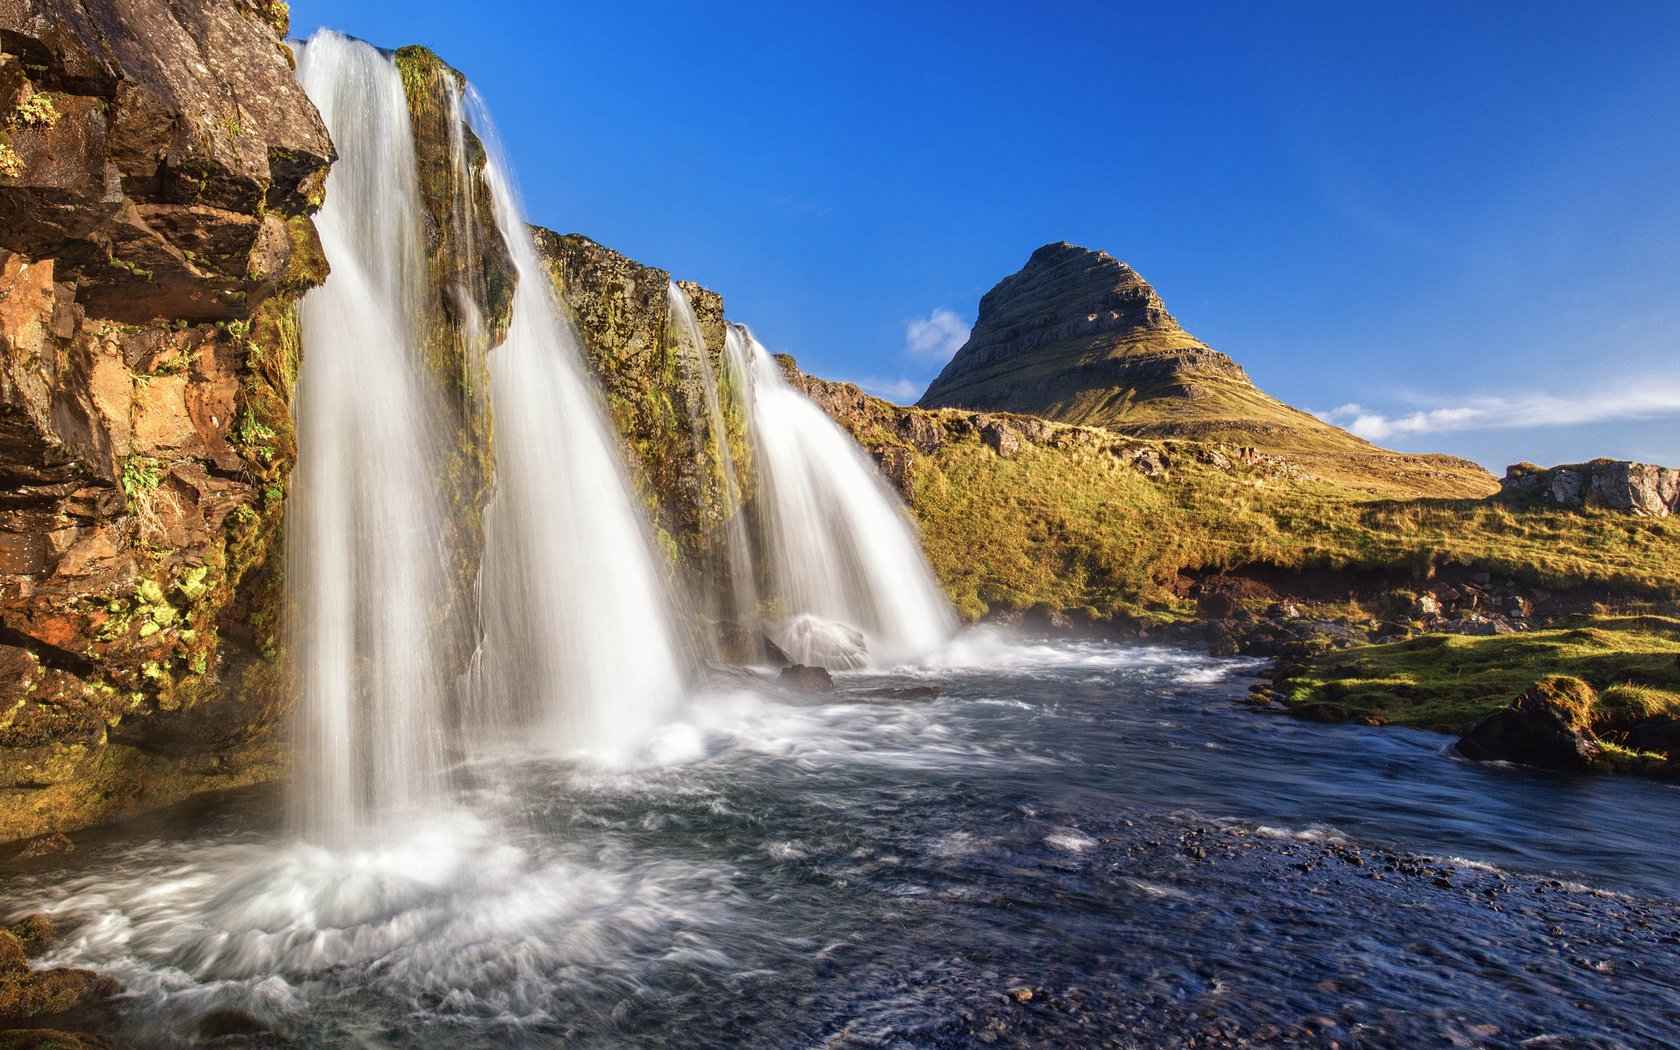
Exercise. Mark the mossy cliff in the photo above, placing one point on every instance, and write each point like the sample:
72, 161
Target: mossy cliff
468, 307
653, 384
154, 241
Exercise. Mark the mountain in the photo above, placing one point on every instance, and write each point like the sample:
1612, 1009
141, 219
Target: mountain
1077, 336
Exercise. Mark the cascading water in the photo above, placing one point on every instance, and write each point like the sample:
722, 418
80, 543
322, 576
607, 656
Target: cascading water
573, 636
365, 523
839, 556
732, 591
578, 641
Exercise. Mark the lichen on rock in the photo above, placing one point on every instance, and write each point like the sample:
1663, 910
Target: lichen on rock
152, 252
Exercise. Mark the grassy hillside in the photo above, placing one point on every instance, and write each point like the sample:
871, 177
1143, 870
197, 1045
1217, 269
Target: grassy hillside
1072, 518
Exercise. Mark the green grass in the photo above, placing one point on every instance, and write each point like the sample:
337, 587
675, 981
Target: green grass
1075, 527
1445, 682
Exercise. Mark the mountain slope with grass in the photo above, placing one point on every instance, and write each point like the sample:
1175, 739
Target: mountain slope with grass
1077, 336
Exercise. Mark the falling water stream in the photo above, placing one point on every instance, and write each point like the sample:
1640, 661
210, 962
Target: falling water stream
840, 558
578, 640
366, 518
732, 589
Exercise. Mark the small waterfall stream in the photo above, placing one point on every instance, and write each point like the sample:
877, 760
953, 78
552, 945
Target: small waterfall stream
732, 596
839, 557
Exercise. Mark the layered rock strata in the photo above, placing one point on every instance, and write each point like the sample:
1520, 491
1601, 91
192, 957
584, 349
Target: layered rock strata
1079, 337
158, 165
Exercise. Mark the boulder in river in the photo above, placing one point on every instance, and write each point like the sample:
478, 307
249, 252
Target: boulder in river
1545, 728
807, 679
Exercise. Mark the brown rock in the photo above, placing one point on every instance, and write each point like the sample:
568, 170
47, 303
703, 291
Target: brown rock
179, 126
897, 465
13, 958
920, 431
47, 846
1633, 488
173, 186
1543, 727
807, 679
1001, 437
41, 993
34, 931
52, 1039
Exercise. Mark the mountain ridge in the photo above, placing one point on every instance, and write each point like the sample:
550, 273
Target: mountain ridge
1077, 336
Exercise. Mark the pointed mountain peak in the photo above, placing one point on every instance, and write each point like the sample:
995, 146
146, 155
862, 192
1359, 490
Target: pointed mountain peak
1061, 334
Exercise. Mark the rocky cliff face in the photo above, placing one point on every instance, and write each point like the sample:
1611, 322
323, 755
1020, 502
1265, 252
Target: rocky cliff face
1078, 336
157, 168
1633, 488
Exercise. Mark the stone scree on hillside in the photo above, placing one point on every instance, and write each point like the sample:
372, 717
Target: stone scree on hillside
1612, 484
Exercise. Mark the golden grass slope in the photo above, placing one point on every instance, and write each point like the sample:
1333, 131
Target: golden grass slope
1072, 519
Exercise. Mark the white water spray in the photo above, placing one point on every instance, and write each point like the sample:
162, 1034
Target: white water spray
839, 554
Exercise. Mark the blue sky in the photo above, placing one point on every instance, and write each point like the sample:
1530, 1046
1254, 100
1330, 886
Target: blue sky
1455, 227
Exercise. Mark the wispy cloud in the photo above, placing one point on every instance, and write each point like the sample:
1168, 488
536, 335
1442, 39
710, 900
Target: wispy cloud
1647, 399
937, 336
903, 390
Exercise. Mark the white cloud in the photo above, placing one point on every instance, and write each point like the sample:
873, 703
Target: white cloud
902, 390
1646, 399
936, 336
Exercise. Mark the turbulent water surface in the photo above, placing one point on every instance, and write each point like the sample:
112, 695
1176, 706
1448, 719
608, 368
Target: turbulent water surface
1074, 845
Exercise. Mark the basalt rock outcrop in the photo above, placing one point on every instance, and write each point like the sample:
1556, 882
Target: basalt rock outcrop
1079, 337
155, 152
158, 166
1608, 484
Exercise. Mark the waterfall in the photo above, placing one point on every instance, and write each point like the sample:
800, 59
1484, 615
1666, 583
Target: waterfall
842, 566
365, 522
578, 643
730, 589
573, 647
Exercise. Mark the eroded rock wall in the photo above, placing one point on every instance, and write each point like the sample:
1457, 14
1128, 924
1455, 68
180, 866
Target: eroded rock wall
158, 166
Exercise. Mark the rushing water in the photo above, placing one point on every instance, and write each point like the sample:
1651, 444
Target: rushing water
366, 520
574, 643
1105, 828
578, 641
839, 556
